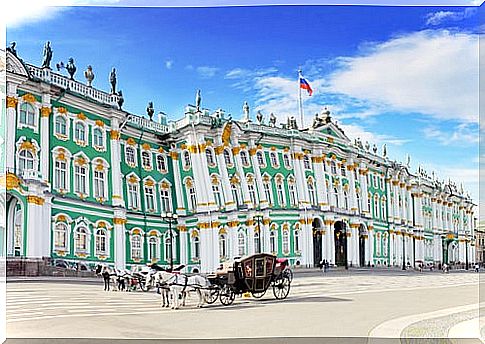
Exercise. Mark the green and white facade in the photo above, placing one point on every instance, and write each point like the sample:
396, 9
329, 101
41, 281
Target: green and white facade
88, 182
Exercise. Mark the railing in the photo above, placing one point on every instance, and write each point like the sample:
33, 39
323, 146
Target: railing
147, 124
75, 86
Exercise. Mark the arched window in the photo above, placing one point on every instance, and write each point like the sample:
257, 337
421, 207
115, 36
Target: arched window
333, 167
216, 190
280, 192
186, 160
80, 132
222, 246
130, 156
60, 236
81, 240
236, 193
98, 137
152, 248
99, 183
161, 163
195, 247
244, 158
241, 244
346, 200
273, 156
136, 247
369, 201
286, 160
165, 198
80, 178
60, 175
257, 243
168, 248
335, 198
227, 156
383, 208
101, 242
378, 244
286, 242
343, 172
27, 114
306, 162
252, 193
267, 191
26, 161
297, 240
133, 194
61, 127
150, 197
292, 191
260, 157
359, 204
311, 192
376, 206
272, 242
146, 160
191, 195
210, 157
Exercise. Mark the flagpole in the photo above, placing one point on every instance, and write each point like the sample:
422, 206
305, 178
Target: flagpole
300, 104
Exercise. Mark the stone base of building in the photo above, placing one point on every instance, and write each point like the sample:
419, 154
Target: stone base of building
33, 267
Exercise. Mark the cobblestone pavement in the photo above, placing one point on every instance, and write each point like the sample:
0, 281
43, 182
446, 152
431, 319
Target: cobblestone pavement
318, 305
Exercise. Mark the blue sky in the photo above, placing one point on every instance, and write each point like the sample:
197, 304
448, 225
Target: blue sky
404, 76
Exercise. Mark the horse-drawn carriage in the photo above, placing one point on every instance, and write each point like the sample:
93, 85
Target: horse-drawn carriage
253, 274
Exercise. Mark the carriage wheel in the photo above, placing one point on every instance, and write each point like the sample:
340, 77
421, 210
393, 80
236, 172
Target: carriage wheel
143, 286
227, 295
287, 272
258, 295
212, 295
281, 287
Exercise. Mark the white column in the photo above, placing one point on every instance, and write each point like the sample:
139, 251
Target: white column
44, 136
392, 237
204, 175
205, 252
115, 165
10, 129
365, 192
242, 176
396, 210
330, 243
200, 181
320, 181
301, 185
225, 183
178, 183
409, 215
184, 252
263, 202
119, 221
370, 229
352, 195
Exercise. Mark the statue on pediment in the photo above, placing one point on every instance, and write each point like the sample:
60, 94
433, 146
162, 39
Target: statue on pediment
112, 80
246, 112
12, 49
121, 100
259, 117
291, 123
47, 55
150, 110
89, 75
198, 99
272, 120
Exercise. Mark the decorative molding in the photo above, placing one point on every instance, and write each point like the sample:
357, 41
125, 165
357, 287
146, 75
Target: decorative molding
122, 221
35, 200
11, 102
29, 98
114, 135
45, 111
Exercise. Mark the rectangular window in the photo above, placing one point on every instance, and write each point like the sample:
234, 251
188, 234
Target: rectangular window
98, 184
60, 175
165, 200
80, 179
150, 199
133, 196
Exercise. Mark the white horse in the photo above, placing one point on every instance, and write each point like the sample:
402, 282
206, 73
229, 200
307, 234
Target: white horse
183, 283
162, 280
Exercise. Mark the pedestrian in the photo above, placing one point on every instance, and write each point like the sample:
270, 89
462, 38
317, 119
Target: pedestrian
321, 266
325, 265
477, 268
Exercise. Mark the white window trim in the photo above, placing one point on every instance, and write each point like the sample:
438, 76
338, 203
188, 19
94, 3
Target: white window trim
157, 247
192, 247
245, 243
275, 154
248, 158
166, 236
103, 133
36, 105
35, 153
141, 245
150, 155
164, 157
67, 156
107, 236
135, 155
287, 166
213, 155
105, 170
130, 206
88, 238
160, 188
185, 166
86, 133
87, 163
154, 194
66, 249
263, 165
68, 127
288, 236
229, 164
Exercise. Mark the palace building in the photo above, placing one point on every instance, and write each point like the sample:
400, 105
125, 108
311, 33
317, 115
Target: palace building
89, 182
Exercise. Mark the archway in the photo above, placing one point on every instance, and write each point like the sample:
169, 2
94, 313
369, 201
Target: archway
452, 253
340, 237
15, 226
362, 237
317, 241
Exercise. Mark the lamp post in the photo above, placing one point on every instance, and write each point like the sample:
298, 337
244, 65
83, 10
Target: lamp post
403, 251
170, 218
466, 253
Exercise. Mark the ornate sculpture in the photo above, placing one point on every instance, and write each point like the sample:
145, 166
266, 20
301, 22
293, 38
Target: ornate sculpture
12, 49
46, 62
326, 113
70, 67
374, 148
359, 143
89, 75
291, 123
150, 110
384, 150
112, 80
246, 112
198, 99
408, 161
121, 100
272, 120
367, 145
259, 117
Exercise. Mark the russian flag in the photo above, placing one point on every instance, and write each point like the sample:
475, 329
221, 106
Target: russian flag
306, 86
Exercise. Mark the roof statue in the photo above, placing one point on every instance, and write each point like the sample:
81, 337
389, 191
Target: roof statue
246, 112
359, 143
374, 148
112, 81
259, 117
121, 100
70, 67
408, 161
12, 49
150, 110
272, 120
47, 55
326, 113
198, 99
89, 75
367, 146
384, 150
291, 123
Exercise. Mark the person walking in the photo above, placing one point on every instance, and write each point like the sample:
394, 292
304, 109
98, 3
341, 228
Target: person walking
477, 268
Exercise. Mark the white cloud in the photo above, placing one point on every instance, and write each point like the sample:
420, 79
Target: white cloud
437, 18
206, 72
434, 72
462, 134
169, 64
